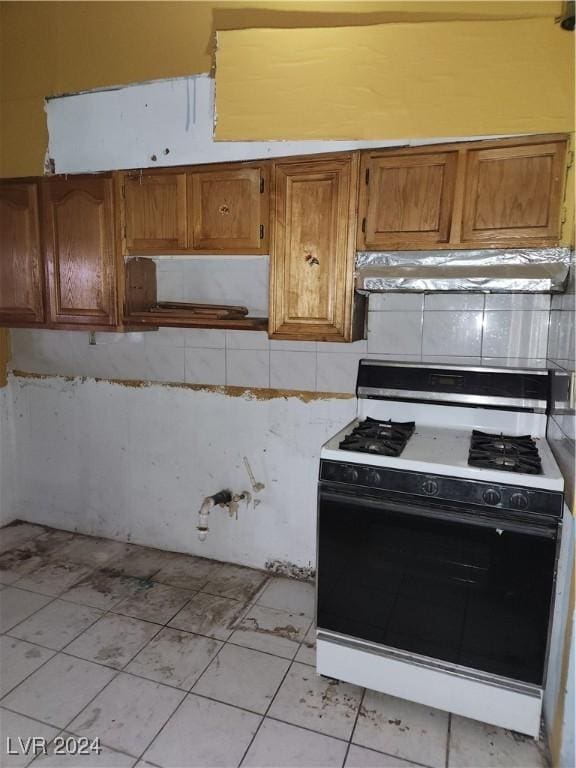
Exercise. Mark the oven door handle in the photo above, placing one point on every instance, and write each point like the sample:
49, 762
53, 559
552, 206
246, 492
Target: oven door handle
546, 530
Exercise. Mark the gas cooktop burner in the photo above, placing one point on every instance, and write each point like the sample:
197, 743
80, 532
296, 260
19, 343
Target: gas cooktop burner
387, 438
509, 453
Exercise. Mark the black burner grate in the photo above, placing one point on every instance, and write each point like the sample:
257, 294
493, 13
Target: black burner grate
509, 453
386, 438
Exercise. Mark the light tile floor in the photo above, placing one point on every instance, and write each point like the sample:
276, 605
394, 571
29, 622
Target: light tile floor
180, 662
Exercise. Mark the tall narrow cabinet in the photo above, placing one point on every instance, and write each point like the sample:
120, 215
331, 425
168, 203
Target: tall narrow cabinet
78, 224
312, 250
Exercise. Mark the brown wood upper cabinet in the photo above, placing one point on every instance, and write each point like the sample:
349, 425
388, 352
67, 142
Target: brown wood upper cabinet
488, 194
514, 194
155, 211
21, 267
407, 199
215, 209
312, 249
78, 225
229, 208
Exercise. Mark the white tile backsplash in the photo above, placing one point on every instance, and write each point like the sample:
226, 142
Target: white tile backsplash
535, 301
512, 330
247, 340
336, 372
248, 368
452, 333
395, 332
453, 301
241, 280
518, 333
204, 337
292, 370
205, 366
384, 302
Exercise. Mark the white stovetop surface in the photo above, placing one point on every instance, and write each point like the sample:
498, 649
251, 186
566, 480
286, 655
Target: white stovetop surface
442, 448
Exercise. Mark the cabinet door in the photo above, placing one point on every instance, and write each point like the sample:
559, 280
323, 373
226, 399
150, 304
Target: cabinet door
79, 243
407, 200
513, 194
21, 271
229, 210
155, 212
312, 255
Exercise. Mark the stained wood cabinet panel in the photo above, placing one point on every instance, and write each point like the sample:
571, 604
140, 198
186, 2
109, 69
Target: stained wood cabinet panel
513, 194
21, 269
490, 194
312, 253
78, 221
407, 199
155, 212
228, 211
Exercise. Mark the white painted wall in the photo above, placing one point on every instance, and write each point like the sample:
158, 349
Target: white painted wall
6, 446
124, 127
135, 463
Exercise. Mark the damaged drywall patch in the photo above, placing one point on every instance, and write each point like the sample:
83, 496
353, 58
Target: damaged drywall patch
247, 393
290, 570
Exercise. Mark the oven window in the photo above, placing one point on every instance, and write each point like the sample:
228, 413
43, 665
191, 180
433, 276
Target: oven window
461, 593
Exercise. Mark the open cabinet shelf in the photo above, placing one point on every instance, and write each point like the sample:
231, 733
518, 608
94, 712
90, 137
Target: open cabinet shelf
142, 307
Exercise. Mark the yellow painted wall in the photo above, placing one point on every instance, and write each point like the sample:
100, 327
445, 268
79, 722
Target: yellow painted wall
49, 48
454, 78
4, 354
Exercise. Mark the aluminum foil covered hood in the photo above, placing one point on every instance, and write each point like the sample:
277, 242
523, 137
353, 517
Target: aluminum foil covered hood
534, 270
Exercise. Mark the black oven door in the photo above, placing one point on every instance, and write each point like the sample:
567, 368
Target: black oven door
442, 582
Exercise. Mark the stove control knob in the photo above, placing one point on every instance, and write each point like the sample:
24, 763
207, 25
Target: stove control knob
350, 475
519, 500
374, 477
492, 497
430, 487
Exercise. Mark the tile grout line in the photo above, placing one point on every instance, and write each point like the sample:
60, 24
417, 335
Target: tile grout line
265, 714
483, 327
448, 734
171, 715
354, 726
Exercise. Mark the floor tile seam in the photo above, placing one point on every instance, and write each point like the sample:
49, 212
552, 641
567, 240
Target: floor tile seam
14, 626
307, 728
257, 731
148, 641
38, 720
108, 666
298, 642
36, 592
173, 713
59, 650
66, 652
259, 650
354, 726
448, 737
54, 653
85, 707
208, 665
116, 612
389, 754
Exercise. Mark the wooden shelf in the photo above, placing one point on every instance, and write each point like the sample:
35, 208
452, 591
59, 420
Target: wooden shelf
177, 320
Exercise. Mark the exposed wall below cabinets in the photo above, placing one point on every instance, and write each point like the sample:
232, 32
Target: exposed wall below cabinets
134, 463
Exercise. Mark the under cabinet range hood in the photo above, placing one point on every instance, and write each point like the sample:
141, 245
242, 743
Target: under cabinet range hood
533, 270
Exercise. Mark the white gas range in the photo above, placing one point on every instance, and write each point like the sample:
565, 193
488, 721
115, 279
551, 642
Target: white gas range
436, 576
